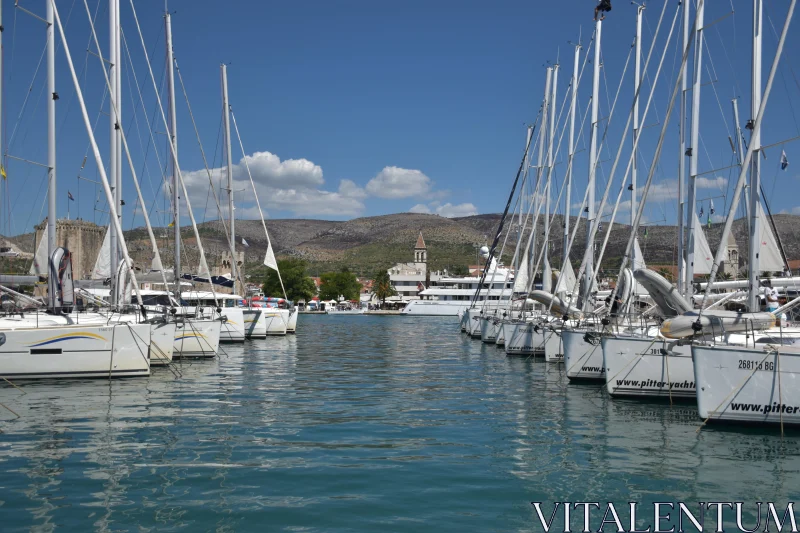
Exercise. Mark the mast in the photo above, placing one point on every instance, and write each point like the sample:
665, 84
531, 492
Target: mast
694, 150
113, 154
682, 159
572, 108
755, 167
173, 133
547, 281
227, 122
636, 84
51, 147
117, 60
740, 147
537, 196
590, 214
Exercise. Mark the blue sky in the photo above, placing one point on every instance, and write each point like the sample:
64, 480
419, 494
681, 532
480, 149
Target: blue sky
364, 108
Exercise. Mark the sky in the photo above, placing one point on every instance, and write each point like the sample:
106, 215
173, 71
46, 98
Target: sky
358, 108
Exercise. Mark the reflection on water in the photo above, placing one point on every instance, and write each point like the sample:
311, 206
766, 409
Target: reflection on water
360, 423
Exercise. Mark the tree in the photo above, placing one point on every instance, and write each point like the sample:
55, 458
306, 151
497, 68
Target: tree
382, 286
335, 284
665, 272
298, 284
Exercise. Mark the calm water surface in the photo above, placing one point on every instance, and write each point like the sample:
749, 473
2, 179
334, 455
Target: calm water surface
360, 424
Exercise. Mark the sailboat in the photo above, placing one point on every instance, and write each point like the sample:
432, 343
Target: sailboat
752, 383
39, 346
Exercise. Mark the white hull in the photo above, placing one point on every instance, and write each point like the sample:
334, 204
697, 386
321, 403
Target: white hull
255, 324
553, 346
276, 321
500, 340
120, 350
233, 328
748, 384
638, 366
474, 325
444, 307
346, 312
522, 339
490, 328
197, 338
162, 343
291, 325
582, 359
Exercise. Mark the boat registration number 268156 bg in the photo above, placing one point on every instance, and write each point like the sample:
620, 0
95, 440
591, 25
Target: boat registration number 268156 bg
746, 364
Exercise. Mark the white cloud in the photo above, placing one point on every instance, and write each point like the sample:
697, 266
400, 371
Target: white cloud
447, 210
349, 189
396, 182
290, 185
710, 183
792, 211
267, 168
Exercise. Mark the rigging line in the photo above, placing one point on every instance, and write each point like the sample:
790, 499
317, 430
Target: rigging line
217, 151
646, 75
727, 57
713, 77
151, 139
27, 97
205, 162
595, 225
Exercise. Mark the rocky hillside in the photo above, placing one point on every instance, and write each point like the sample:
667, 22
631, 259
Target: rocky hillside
367, 244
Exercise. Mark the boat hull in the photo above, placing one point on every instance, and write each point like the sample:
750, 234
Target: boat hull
583, 354
648, 367
522, 339
162, 343
553, 346
489, 330
754, 385
255, 324
85, 351
197, 338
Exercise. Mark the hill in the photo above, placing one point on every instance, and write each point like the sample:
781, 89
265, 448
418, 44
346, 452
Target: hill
367, 244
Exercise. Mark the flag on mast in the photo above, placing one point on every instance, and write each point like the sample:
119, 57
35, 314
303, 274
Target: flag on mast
701, 211
711, 209
69, 195
244, 242
784, 160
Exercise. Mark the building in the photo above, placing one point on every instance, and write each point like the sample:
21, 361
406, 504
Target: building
80, 237
731, 265
409, 279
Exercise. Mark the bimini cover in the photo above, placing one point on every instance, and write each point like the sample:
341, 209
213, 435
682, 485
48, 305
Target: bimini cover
663, 293
545, 298
715, 322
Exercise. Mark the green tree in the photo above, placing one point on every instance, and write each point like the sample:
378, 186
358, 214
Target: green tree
665, 272
342, 283
382, 286
298, 284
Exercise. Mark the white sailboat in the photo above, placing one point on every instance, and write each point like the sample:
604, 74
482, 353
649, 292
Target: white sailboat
752, 383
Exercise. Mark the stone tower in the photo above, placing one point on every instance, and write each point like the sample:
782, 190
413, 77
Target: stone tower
80, 237
421, 253
731, 265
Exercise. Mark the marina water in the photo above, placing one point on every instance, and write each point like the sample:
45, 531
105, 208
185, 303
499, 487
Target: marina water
361, 423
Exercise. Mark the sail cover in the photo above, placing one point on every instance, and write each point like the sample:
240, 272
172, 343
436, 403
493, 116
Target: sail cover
102, 266
769, 255
521, 277
703, 258
568, 281
39, 266
638, 264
